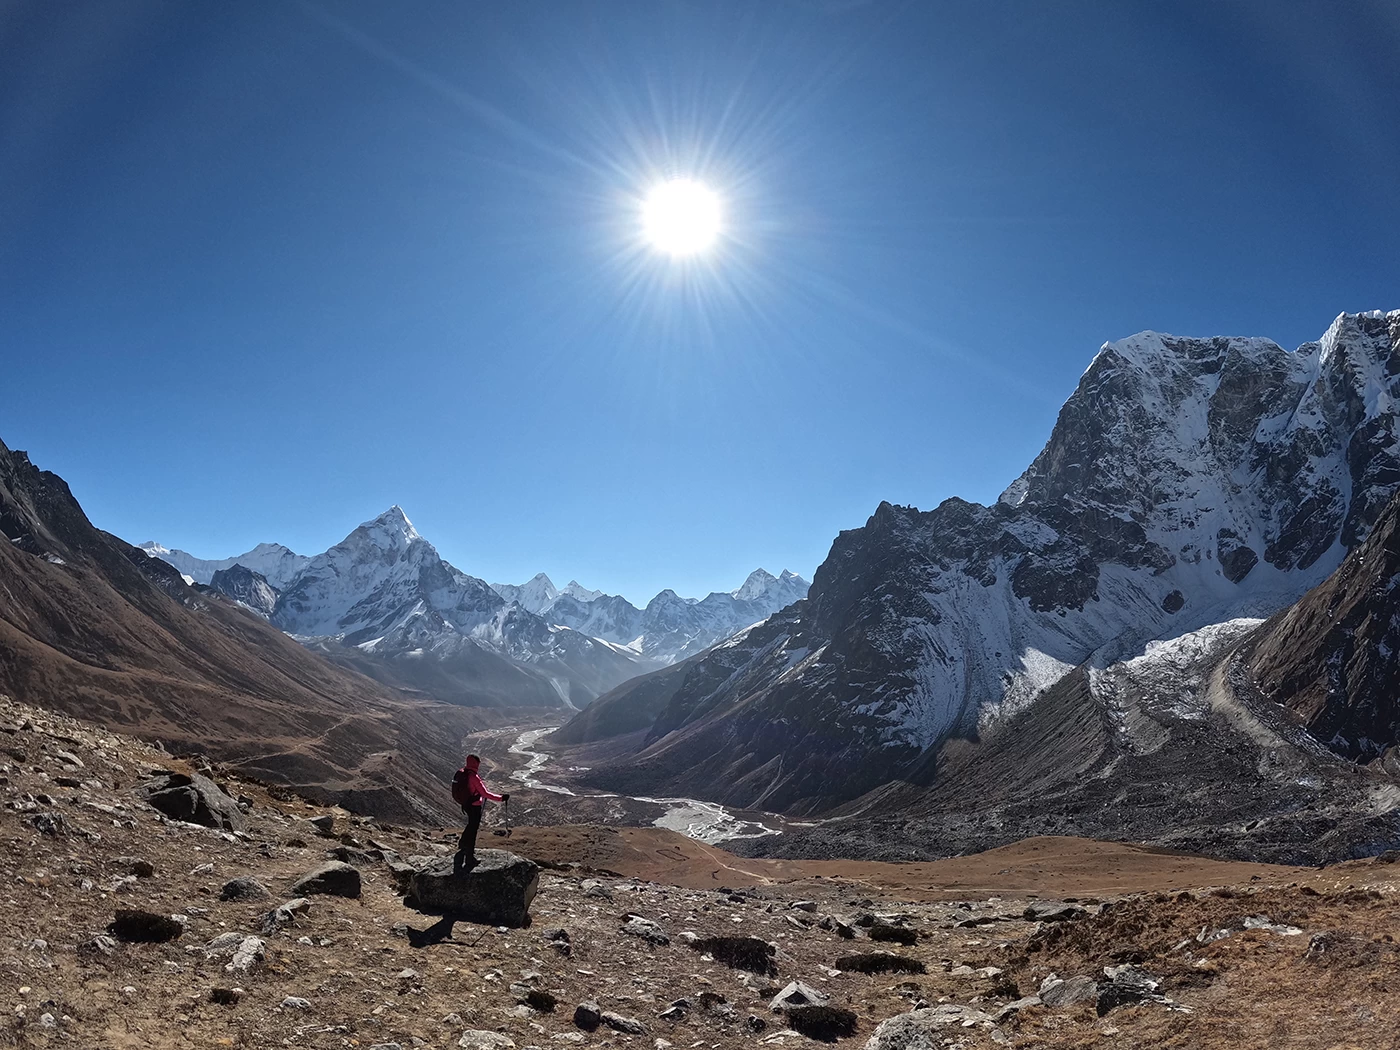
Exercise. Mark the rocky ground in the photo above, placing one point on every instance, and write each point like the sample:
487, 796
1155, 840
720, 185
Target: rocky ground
125, 927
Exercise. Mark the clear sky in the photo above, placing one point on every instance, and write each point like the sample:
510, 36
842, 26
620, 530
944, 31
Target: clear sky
267, 268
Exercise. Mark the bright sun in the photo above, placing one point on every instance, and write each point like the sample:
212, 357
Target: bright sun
681, 217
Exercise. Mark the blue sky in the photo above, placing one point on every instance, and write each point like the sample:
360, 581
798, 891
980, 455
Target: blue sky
267, 268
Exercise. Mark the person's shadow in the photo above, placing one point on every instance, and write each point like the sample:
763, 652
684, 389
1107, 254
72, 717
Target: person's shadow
435, 934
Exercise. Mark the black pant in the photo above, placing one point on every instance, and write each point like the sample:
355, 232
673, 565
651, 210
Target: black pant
467, 843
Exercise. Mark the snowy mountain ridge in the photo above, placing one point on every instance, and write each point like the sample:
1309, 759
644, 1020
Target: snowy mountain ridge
274, 562
1187, 482
670, 627
385, 593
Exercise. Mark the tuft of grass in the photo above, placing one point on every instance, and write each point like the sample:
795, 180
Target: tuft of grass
895, 934
824, 1023
740, 953
879, 962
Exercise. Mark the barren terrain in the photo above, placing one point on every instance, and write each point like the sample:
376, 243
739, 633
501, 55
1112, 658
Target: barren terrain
1243, 955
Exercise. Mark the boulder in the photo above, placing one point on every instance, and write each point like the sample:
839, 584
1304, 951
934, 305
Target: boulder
497, 892
797, 994
1056, 992
645, 929
924, 1029
588, 1016
193, 799
1053, 911
336, 879
243, 889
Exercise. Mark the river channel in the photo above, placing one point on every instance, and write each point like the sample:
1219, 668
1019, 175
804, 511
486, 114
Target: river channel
705, 821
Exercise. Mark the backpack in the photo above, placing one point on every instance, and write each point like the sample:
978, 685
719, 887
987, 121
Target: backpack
462, 793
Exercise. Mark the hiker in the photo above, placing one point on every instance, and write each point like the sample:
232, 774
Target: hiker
470, 793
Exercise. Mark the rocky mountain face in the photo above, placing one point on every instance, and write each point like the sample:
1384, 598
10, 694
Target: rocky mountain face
670, 628
93, 626
274, 562
250, 589
1333, 658
1187, 483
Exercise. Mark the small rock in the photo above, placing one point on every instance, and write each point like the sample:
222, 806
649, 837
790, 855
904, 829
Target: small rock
594, 888
336, 879
247, 955
142, 869
97, 946
803, 905
481, 1039
588, 1016
618, 1023
754, 1023
243, 889
541, 1000
636, 926
284, 913
203, 869
324, 824
225, 996
295, 1002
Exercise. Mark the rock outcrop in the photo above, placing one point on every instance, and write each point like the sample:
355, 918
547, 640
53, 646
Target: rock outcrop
193, 798
496, 892
1187, 482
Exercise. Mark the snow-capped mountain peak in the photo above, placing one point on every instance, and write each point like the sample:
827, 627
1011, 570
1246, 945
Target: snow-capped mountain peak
536, 595
576, 590
757, 584
391, 530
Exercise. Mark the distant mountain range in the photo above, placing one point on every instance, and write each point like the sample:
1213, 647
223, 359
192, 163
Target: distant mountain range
385, 603
91, 626
1085, 656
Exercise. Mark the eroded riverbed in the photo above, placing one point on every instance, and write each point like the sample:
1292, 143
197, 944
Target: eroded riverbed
705, 821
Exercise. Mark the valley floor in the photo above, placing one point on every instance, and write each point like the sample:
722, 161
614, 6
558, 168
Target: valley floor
1241, 955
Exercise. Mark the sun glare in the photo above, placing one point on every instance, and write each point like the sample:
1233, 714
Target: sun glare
681, 217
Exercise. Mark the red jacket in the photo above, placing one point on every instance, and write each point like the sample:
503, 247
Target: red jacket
477, 790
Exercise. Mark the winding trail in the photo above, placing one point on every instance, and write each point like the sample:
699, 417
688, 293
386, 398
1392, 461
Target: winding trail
705, 822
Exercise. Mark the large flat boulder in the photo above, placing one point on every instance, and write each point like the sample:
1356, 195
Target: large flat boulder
193, 799
497, 892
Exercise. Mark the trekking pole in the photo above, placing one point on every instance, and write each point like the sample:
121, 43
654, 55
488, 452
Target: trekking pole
505, 815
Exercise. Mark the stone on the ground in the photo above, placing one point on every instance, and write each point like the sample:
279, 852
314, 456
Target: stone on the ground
350, 855
923, 1029
225, 996
284, 913
323, 824
144, 927
481, 1039
142, 869
193, 799
1125, 985
1067, 992
1013, 1008
296, 1002
619, 1023
797, 994
336, 879
497, 892
645, 929
243, 889
99, 945
247, 955
1053, 911
588, 1016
